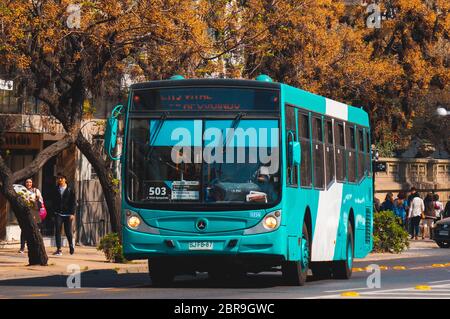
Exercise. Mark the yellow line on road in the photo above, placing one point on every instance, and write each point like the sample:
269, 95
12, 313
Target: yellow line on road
384, 267
114, 289
36, 295
350, 294
399, 268
75, 292
357, 269
438, 265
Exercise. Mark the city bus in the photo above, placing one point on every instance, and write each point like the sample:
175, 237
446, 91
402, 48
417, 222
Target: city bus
231, 177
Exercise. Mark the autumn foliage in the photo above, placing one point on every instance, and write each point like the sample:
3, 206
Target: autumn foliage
399, 73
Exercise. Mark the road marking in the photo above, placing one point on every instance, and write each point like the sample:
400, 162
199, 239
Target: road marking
423, 287
352, 289
438, 265
435, 282
114, 289
36, 295
357, 269
350, 294
75, 292
399, 268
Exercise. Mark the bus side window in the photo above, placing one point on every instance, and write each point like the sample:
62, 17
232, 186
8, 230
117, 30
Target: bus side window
305, 142
291, 136
340, 151
368, 157
361, 156
351, 153
318, 154
329, 152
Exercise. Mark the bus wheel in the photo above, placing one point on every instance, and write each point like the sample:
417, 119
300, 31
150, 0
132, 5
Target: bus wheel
342, 269
160, 272
296, 272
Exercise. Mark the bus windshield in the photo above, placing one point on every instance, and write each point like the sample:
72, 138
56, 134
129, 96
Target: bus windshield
207, 161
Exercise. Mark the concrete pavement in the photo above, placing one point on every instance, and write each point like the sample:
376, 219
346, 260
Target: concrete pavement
14, 265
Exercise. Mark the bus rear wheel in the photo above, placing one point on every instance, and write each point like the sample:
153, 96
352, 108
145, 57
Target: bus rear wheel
161, 272
295, 273
342, 269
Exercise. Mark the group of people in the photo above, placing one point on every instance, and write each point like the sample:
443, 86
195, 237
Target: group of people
417, 215
62, 204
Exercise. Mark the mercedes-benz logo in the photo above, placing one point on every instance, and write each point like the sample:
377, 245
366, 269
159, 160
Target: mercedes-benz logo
201, 224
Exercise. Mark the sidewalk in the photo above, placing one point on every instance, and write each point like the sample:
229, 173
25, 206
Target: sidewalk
417, 249
14, 265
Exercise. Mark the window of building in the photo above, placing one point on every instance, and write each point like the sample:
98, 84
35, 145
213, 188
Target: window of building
318, 154
305, 142
329, 152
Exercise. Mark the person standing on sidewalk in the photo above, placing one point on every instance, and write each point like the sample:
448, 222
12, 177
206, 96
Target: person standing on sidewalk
429, 216
438, 207
388, 203
36, 200
416, 209
64, 210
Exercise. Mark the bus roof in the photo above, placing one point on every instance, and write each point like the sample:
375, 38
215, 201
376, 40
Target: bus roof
313, 102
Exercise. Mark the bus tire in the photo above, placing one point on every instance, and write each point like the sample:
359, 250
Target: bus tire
161, 273
342, 269
295, 273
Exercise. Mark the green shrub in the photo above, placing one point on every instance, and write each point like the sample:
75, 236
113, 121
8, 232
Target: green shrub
388, 234
112, 248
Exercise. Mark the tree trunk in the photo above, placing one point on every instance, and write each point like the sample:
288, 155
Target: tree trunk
36, 249
110, 191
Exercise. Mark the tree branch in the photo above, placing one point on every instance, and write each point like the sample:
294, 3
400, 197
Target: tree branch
50, 151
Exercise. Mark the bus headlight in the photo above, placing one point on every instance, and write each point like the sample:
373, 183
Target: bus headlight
134, 222
270, 222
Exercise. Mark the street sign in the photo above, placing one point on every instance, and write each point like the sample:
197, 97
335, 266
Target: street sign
379, 166
6, 85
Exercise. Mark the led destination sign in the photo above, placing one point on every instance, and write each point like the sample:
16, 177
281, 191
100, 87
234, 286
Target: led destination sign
206, 99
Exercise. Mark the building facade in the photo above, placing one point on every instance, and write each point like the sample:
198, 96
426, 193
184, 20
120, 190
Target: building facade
30, 132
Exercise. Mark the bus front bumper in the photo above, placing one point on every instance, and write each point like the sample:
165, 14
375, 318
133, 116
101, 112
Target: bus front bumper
138, 245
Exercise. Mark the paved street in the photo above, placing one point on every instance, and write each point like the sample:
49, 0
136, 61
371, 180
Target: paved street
421, 272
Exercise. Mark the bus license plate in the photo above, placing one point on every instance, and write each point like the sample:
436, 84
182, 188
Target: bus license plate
443, 232
200, 245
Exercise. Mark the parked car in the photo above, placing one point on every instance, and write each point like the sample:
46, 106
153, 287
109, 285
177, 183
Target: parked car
441, 233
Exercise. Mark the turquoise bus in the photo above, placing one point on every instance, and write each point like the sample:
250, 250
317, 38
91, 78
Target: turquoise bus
243, 176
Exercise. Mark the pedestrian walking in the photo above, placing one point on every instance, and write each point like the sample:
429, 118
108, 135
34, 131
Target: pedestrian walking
388, 203
416, 209
64, 210
428, 216
438, 207
401, 207
36, 200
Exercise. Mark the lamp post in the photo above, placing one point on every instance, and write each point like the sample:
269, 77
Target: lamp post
442, 111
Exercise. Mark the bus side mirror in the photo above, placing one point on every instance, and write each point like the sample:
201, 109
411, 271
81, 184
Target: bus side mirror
111, 130
295, 150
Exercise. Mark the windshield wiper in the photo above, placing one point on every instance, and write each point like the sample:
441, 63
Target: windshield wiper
154, 136
233, 127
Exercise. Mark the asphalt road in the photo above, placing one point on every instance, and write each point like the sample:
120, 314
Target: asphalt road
424, 277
